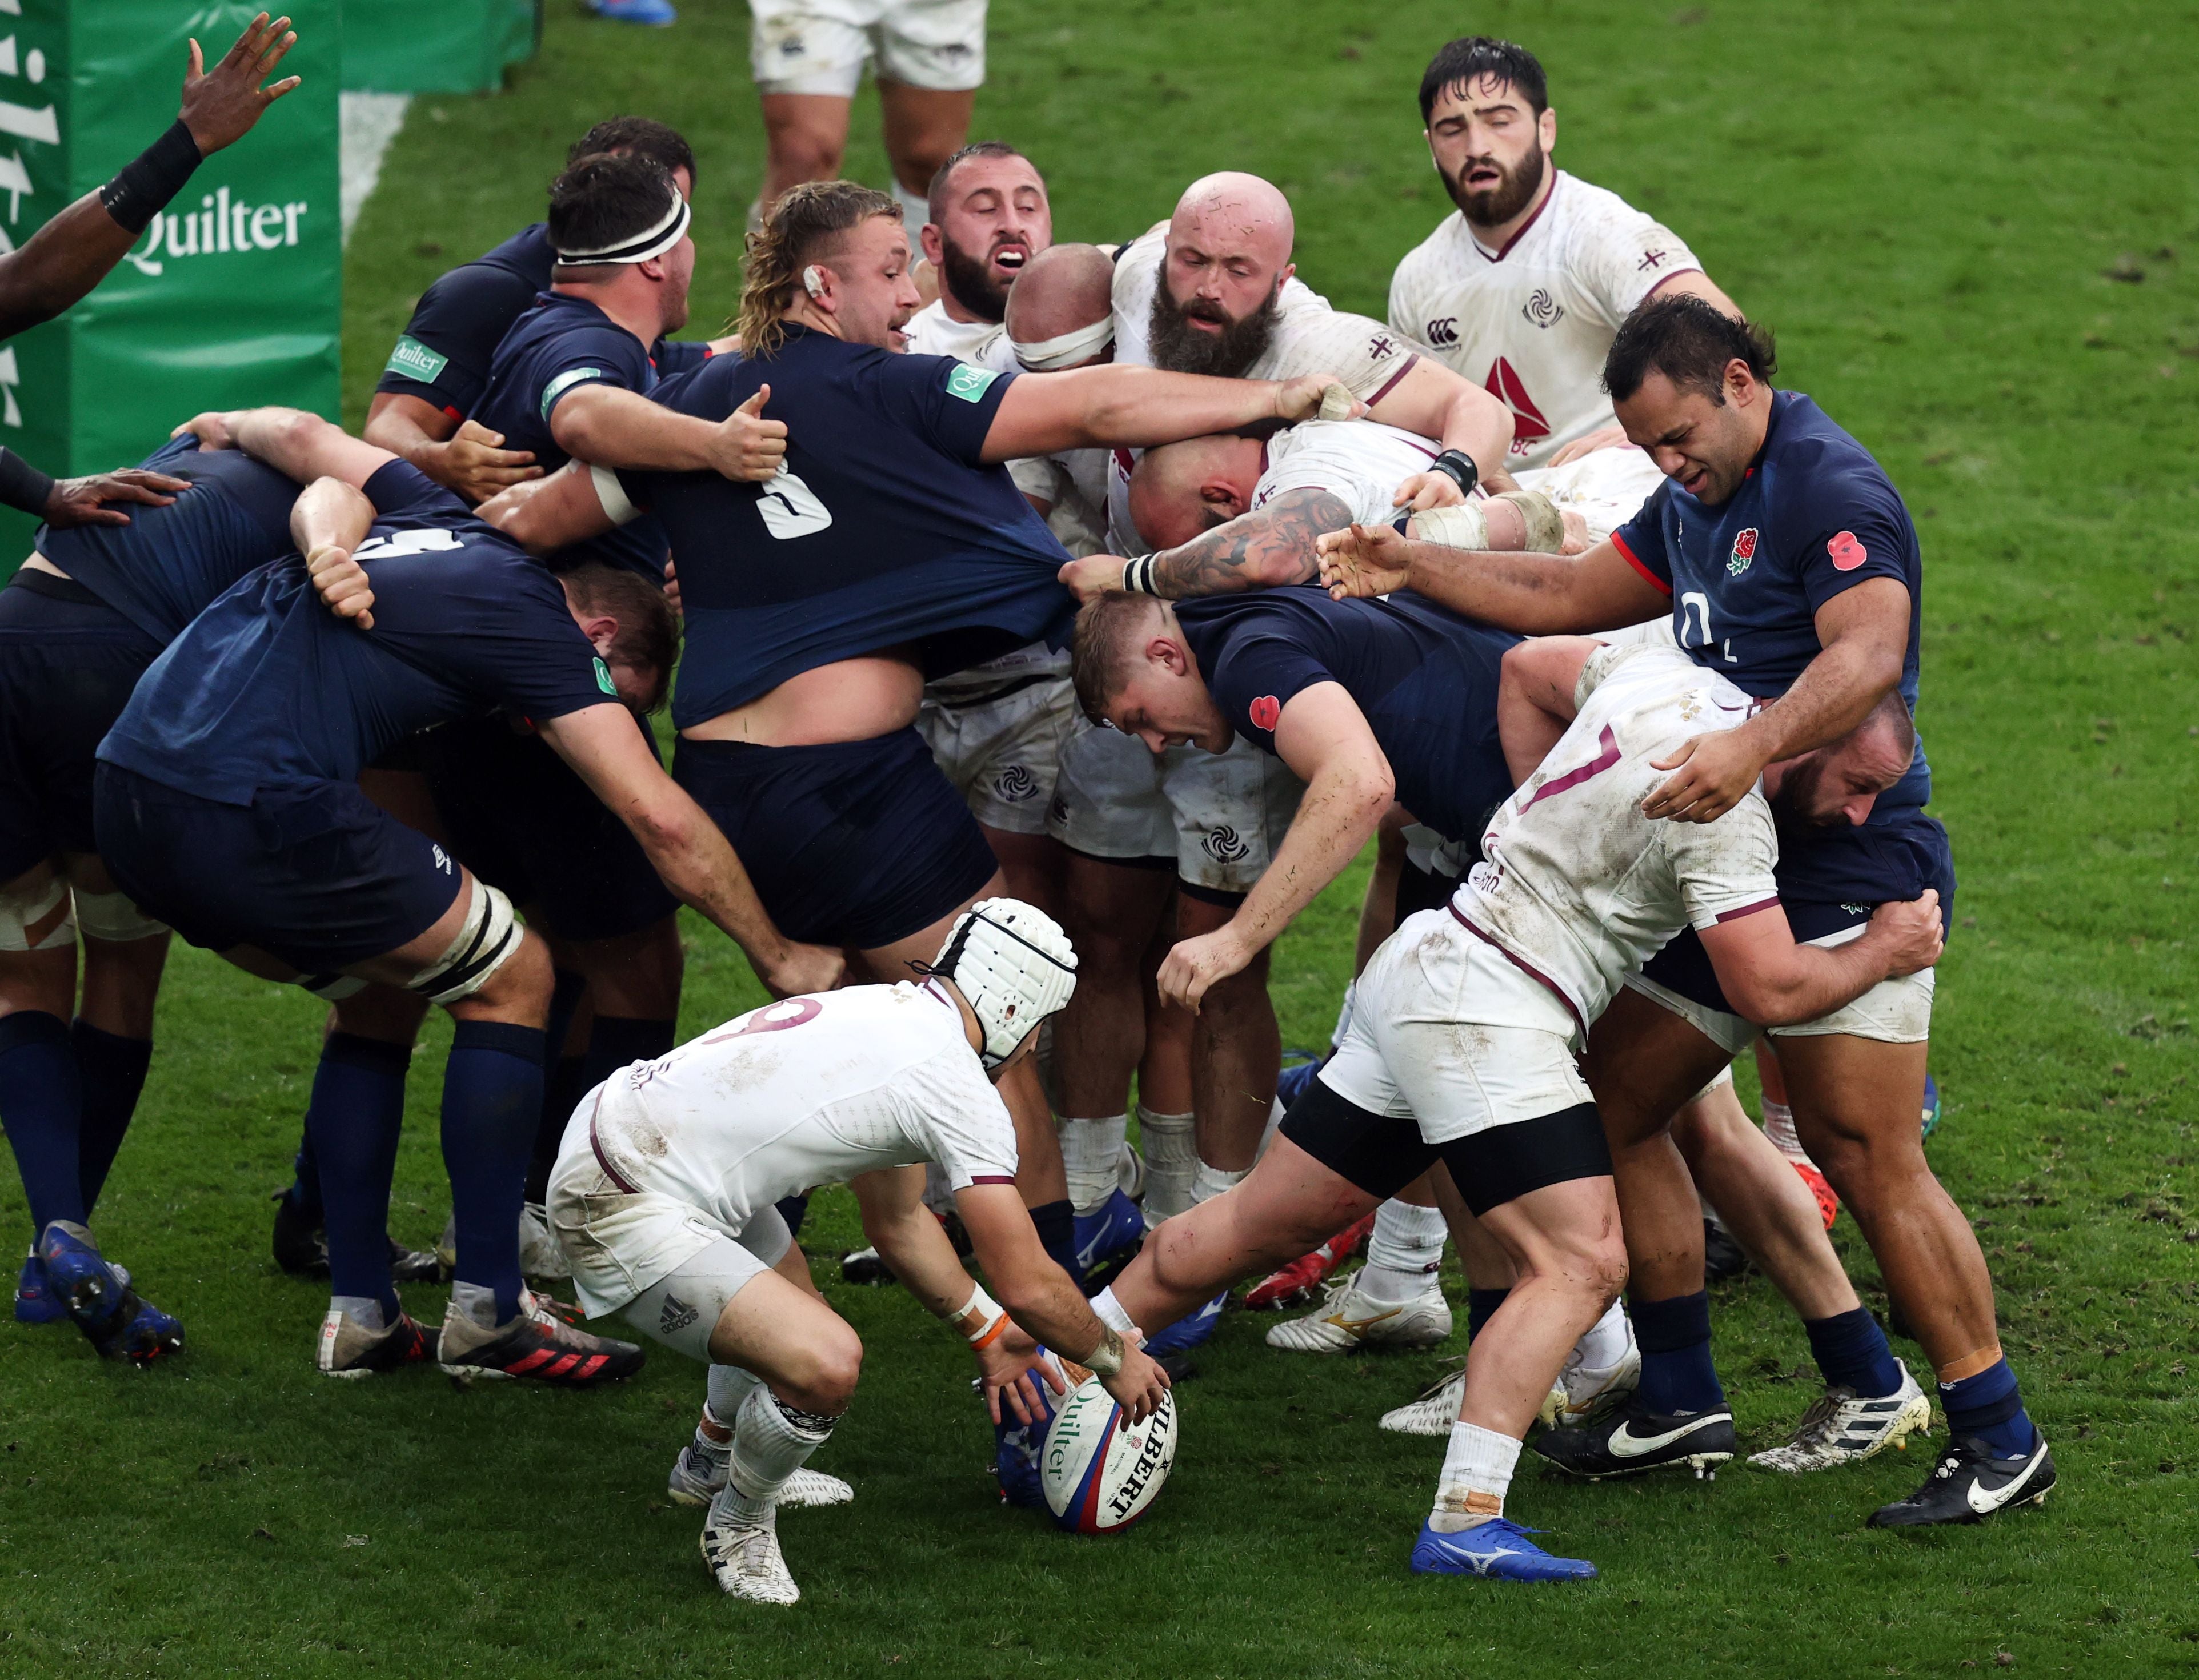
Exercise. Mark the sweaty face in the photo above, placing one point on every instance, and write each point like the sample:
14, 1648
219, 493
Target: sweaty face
872, 295
1168, 708
996, 220
1703, 444
1489, 147
1195, 332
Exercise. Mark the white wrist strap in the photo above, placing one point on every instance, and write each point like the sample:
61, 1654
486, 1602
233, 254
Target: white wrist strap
980, 1319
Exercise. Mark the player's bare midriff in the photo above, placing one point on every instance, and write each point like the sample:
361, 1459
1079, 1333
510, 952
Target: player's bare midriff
848, 700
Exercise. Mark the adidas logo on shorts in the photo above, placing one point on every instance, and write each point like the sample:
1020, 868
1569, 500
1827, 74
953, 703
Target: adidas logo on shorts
678, 1316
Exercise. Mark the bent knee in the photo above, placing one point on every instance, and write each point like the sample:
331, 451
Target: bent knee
827, 1385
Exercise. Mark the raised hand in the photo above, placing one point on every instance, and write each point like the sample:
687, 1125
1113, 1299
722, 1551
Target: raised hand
220, 105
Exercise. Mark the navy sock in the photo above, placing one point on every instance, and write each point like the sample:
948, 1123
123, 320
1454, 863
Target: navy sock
1481, 1305
352, 1125
1851, 1352
42, 1105
1675, 1337
794, 1210
1057, 1233
492, 1105
305, 1192
112, 1071
1990, 1407
562, 1087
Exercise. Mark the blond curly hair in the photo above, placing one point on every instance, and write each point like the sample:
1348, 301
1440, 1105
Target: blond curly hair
808, 225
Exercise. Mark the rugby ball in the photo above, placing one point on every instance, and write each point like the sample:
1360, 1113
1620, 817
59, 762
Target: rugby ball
1100, 1477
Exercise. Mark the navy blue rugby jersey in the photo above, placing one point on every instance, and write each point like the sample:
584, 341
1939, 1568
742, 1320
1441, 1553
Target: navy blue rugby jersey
160, 569
268, 691
1424, 679
445, 351
1815, 516
885, 529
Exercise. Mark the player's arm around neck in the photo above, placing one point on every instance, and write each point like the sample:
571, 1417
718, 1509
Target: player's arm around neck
1863, 633
1536, 594
1774, 982
1140, 407
296, 444
602, 743
1324, 739
327, 521
613, 427
1265, 549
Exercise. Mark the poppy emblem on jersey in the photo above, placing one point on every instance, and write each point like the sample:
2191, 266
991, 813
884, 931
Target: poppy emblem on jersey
1847, 553
1744, 551
1542, 310
1266, 712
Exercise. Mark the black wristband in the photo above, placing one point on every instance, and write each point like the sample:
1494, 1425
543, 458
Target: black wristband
155, 176
1457, 466
22, 485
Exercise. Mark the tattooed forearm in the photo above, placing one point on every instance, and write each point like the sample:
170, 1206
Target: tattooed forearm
1263, 549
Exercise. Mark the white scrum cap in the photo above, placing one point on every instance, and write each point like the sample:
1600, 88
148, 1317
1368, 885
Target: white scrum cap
1013, 965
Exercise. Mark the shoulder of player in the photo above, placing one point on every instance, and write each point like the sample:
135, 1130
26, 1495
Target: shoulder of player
1579, 207
1424, 262
1813, 459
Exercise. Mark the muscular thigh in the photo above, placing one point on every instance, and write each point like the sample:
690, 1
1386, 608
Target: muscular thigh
1644, 1063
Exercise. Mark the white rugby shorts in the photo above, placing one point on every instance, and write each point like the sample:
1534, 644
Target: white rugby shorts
1893, 1012
821, 46
1446, 1030
1220, 815
624, 1244
1004, 755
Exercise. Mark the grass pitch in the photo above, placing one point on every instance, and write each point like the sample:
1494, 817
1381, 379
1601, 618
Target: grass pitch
1973, 228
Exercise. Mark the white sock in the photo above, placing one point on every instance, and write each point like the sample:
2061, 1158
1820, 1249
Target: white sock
1092, 1155
1404, 1254
1477, 1473
771, 1440
1343, 1013
1275, 1113
1109, 1311
1171, 1160
363, 1310
1605, 1344
1208, 1182
915, 210
729, 1387
476, 1301
1779, 1127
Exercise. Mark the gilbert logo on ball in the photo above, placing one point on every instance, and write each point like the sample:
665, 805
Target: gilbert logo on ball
1100, 1477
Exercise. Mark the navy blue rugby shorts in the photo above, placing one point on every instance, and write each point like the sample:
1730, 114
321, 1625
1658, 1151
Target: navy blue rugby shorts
321, 877
68, 662
1833, 883
859, 843
521, 819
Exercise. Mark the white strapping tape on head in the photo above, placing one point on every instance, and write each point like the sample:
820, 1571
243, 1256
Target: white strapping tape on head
484, 944
1079, 344
112, 915
654, 241
20, 913
618, 506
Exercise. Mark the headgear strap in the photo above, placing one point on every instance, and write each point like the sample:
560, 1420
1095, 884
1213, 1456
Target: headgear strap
1051, 355
670, 229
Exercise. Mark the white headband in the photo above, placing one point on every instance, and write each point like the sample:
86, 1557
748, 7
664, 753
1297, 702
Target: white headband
654, 241
1051, 355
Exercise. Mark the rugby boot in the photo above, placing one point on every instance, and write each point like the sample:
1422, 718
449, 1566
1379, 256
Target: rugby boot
349, 1349
866, 1265
1931, 1105
744, 1558
1192, 1330
1292, 1284
1582, 1391
98, 1297
1829, 1200
1970, 1484
1436, 1408
1629, 1442
301, 1250
35, 1302
652, 14
1499, 1549
535, 1345
700, 1471
1843, 1427
1115, 1228
1347, 1321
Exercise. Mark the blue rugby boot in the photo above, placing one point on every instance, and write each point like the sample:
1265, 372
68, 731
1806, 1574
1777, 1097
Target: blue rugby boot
1930, 1105
1498, 1548
98, 1297
34, 1299
1190, 1331
1116, 1225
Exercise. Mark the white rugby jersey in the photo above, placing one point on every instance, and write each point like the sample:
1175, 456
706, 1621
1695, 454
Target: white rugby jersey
1533, 322
1367, 356
1580, 887
1361, 461
932, 332
806, 1091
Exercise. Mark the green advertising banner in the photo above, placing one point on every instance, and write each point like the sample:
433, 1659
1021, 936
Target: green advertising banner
435, 46
233, 296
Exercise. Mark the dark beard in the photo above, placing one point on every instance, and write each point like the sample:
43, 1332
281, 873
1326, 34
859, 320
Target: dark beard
1514, 194
1181, 347
970, 283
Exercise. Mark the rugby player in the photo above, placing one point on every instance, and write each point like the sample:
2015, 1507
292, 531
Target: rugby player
1790, 564
663, 1196
1462, 1049
1521, 291
225, 803
808, 58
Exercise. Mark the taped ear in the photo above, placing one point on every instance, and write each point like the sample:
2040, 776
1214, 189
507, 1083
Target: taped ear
812, 281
